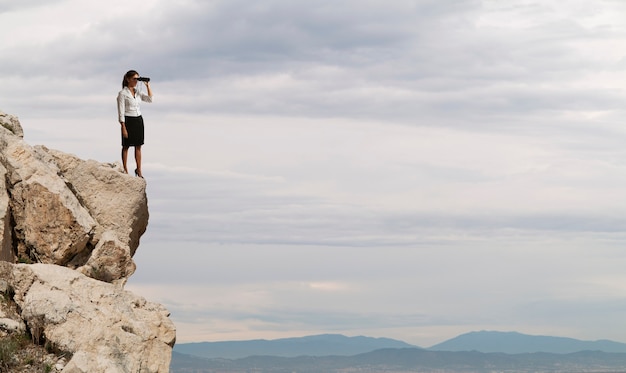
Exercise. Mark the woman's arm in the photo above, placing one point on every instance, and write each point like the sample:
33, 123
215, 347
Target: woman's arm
147, 97
121, 109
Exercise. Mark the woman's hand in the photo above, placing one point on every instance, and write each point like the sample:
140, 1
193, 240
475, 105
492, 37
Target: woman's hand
124, 132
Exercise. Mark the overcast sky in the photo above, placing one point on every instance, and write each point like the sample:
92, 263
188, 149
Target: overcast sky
411, 169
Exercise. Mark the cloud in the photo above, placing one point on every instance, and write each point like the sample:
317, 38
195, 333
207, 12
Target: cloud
368, 184
420, 62
263, 290
7, 6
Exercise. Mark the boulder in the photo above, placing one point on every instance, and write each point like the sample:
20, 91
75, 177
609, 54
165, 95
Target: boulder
117, 203
51, 225
101, 326
11, 124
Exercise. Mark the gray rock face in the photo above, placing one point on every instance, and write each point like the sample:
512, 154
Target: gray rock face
77, 224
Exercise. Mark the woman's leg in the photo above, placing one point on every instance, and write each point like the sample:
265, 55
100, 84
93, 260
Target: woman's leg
125, 158
138, 160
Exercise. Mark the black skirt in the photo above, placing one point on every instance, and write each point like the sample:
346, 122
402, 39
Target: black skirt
134, 127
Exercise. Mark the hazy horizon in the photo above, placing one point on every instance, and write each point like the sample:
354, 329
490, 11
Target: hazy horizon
400, 340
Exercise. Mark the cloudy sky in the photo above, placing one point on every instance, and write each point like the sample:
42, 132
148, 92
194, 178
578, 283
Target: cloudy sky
411, 169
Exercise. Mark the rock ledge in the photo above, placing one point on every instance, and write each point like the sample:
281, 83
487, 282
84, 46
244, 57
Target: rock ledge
70, 228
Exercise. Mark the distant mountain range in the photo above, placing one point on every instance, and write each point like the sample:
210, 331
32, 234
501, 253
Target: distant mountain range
340, 345
316, 345
479, 352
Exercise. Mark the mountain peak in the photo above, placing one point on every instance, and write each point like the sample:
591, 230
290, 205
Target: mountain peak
516, 343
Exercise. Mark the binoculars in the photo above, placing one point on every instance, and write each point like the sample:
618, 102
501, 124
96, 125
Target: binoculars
143, 79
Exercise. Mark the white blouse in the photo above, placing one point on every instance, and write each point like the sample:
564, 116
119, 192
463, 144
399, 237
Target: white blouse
127, 105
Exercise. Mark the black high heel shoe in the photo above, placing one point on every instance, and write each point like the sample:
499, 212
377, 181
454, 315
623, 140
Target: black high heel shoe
137, 174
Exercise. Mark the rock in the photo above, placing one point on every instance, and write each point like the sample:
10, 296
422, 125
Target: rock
6, 242
13, 326
118, 204
103, 327
60, 364
58, 209
110, 261
51, 225
11, 124
78, 224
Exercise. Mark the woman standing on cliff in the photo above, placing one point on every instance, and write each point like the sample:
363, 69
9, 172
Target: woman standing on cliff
130, 116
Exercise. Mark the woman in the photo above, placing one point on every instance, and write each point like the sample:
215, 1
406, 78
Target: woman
130, 117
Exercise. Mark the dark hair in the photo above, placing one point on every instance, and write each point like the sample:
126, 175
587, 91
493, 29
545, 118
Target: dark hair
129, 74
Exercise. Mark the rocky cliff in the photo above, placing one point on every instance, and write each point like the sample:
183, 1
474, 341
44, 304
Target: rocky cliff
70, 228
